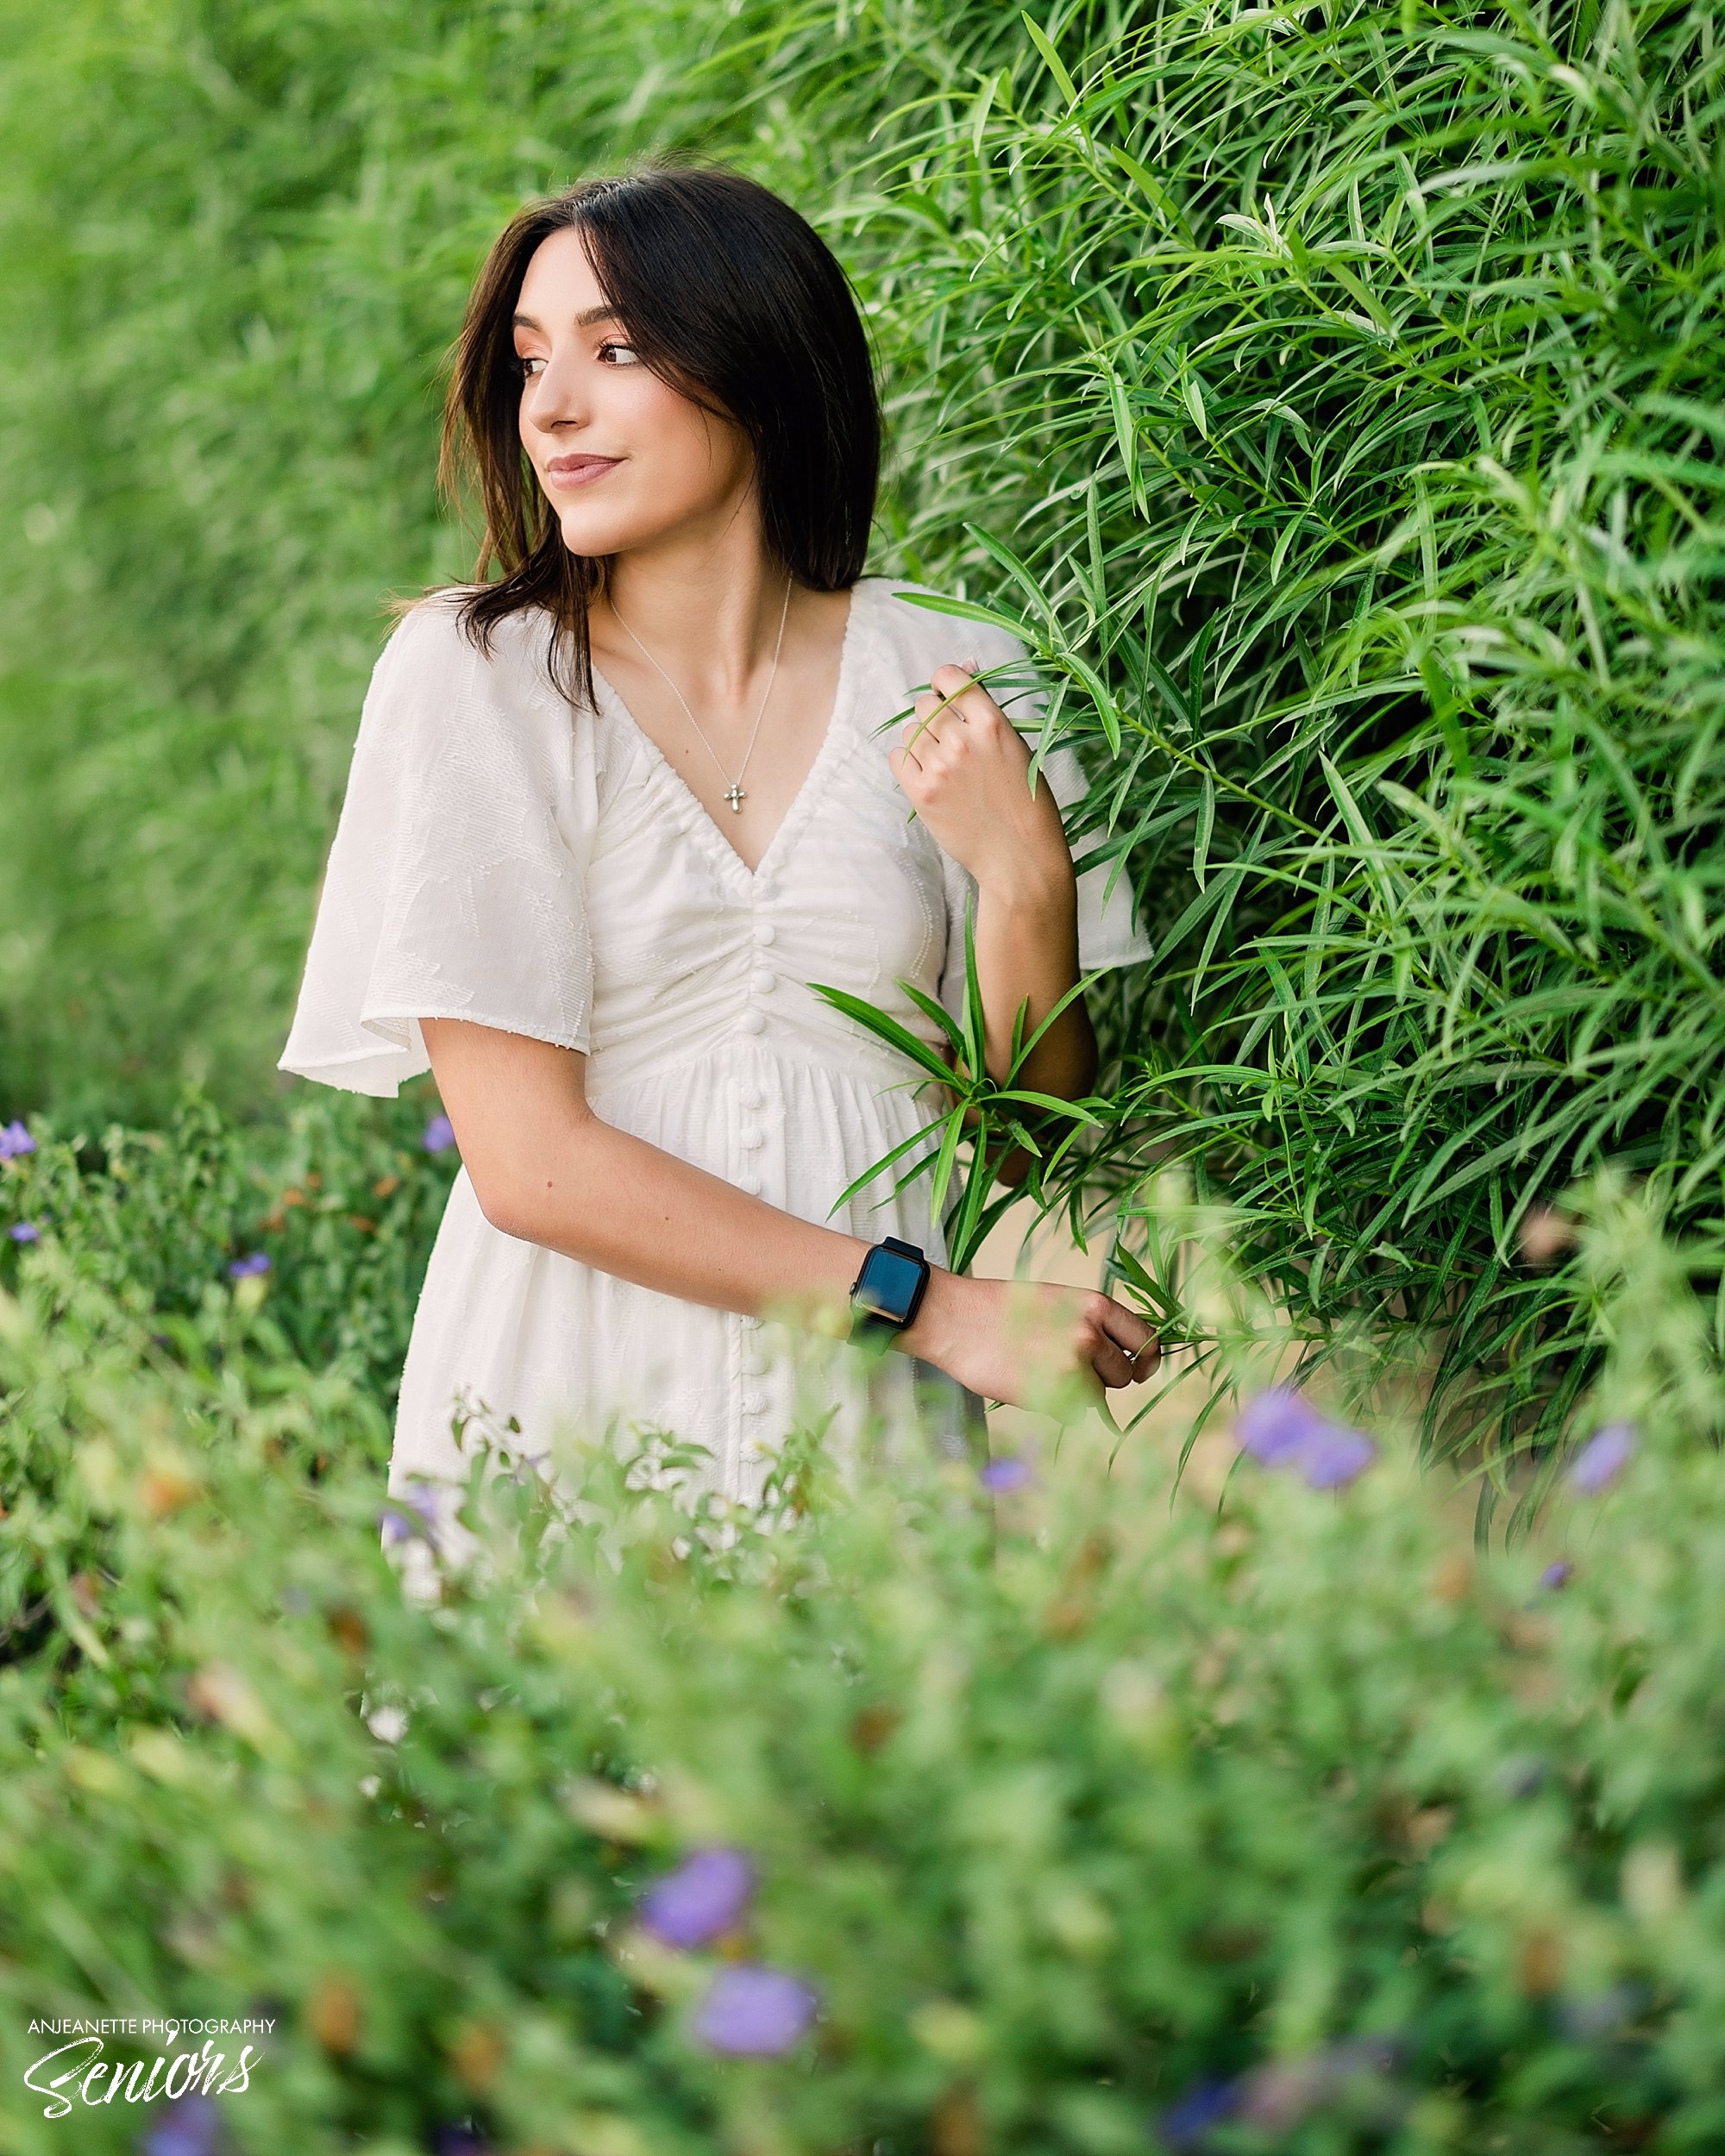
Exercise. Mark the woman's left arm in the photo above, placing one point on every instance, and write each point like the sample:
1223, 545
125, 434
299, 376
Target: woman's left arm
962, 765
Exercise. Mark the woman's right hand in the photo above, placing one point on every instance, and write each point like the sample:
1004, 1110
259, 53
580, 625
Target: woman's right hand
1016, 1340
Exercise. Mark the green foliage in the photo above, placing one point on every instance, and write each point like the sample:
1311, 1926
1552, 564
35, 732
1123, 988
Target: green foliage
341, 1198
991, 1113
1334, 395
1329, 396
1071, 1803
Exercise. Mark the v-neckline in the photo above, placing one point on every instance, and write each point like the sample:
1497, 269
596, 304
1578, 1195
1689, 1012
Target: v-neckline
696, 811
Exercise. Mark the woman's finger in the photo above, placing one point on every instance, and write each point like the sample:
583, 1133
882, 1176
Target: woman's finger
923, 730
969, 699
1139, 1348
946, 704
1110, 1363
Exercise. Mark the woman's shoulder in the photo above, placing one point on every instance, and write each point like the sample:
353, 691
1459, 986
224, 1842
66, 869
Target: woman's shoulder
437, 623
439, 657
441, 692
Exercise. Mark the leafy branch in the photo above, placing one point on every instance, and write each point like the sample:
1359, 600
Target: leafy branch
999, 1115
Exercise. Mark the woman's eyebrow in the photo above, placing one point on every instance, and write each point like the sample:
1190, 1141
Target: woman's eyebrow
587, 315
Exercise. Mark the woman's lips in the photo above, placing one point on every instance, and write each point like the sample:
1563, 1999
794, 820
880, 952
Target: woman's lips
581, 471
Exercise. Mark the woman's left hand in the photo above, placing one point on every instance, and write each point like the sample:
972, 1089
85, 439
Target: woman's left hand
963, 765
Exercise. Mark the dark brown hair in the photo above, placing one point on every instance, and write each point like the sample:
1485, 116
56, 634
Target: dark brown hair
732, 297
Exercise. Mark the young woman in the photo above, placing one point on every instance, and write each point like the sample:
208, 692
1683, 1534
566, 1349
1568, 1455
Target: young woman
611, 812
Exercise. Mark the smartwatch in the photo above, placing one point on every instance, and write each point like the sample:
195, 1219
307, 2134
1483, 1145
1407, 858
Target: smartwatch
886, 1293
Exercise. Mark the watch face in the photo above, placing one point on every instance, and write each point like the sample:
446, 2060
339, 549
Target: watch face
889, 1282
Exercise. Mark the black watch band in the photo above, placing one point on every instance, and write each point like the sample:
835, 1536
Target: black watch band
887, 1290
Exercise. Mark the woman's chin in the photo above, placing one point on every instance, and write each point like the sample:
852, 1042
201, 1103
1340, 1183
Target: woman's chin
594, 536
618, 529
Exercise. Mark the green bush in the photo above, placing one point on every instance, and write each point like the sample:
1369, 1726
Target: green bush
1096, 1821
335, 1206
1334, 395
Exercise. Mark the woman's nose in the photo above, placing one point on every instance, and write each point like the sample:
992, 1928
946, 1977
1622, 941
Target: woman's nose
556, 393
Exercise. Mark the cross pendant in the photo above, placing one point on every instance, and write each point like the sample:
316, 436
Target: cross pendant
733, 794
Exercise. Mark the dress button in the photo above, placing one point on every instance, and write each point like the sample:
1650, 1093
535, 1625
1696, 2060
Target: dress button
752, 1022
749, 1137
752, 1403
751, 1324
763, 983
751, 1096
755, 1365
764, 931
751, 1184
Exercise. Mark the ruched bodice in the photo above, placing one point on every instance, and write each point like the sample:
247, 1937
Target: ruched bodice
506, 857
693, 950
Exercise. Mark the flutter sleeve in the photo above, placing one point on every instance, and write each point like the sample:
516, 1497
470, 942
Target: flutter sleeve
455, 886
1109, 933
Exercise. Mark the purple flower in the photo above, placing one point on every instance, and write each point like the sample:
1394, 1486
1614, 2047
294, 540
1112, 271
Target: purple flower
706, 1896
1008, 1473
189, 2127
440, 1134
1279, 2095
1521, 1776
458, 2141
253, 1262
1275, 1426
1205, 2104
25, 1232
754, 2012
15, 1140
1281, 1429
423, 1503
397, 1524
1557, 1573
1588, 2020
1603, 1458
1335, 1457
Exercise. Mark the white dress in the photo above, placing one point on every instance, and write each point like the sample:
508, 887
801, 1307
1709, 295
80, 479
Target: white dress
507, 857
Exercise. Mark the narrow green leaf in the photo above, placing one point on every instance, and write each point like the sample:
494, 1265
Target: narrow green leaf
1050, 57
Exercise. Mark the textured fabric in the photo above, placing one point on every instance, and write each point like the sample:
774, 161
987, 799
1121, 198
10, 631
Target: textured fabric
452, 889
505, 858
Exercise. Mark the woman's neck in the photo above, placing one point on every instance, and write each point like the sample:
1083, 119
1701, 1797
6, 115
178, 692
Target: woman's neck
708, 609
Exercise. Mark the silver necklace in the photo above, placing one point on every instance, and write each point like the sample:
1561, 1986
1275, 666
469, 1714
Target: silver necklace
734, 793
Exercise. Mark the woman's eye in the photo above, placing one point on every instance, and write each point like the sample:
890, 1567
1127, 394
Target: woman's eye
530, 363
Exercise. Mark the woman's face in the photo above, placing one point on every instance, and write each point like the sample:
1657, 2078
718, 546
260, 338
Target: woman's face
622, 457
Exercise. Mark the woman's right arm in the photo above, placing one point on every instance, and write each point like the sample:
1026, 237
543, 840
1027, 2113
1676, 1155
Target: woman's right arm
546, 1168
